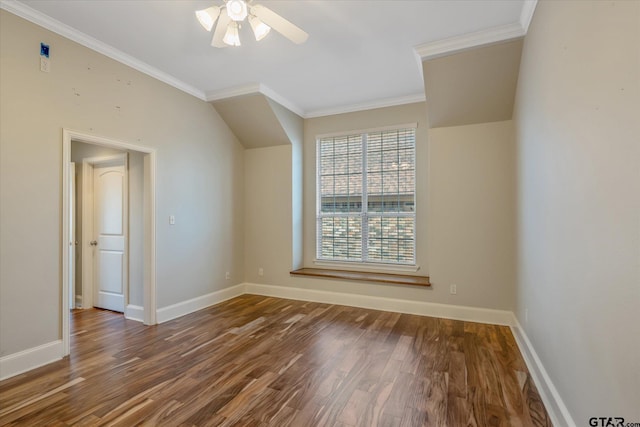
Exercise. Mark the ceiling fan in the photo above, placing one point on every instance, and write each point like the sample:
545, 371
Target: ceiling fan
233, 12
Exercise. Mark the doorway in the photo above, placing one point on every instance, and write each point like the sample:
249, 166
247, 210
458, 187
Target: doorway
107, 217
116, 257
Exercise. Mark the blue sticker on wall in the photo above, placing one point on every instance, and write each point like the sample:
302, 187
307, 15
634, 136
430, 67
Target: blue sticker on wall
44, 50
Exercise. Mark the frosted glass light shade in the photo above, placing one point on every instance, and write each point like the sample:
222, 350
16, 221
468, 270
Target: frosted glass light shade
207, 17
260, 29
231, 37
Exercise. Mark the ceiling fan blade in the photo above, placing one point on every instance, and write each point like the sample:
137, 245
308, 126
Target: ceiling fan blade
221, 29
278, 23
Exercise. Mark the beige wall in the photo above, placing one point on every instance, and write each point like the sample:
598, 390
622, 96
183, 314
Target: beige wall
578, 141
465, 229
471, 214
293, 126
199, 176
473, 85
268, 214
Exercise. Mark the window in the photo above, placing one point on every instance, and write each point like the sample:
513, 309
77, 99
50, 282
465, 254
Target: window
366, 197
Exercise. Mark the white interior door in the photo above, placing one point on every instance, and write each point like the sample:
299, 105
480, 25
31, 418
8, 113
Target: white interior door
110, 231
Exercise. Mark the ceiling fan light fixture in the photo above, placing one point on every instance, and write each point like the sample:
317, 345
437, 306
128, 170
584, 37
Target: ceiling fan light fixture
231, 37
260, 29
237, 10
232, 13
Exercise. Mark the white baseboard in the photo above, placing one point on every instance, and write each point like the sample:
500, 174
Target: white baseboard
26, 360
165, 314
422, 308
553, 403
134, 312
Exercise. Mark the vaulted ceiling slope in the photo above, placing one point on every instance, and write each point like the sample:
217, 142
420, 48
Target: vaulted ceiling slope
473, 86
359, 55
258, 121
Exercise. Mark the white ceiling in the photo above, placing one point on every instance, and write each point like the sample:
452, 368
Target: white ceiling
359, 53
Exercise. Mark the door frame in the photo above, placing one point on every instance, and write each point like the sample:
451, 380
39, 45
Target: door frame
149, 224
72, 248
88, 219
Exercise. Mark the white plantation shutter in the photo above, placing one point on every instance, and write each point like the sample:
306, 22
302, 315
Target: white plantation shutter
366, 197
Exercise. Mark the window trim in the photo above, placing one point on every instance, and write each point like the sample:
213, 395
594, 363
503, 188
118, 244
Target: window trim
367, 265
405, 126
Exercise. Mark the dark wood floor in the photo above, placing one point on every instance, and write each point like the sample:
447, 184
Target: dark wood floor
257, 361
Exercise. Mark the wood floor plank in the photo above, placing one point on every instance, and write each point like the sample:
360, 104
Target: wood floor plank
262, 362
20, 414
19, 405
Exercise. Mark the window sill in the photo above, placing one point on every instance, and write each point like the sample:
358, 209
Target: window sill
363, 276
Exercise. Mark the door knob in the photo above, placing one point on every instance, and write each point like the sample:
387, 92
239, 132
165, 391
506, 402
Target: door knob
93, 243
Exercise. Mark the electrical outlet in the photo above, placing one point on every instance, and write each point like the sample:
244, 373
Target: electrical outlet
172, 219
227, 275
453, 289
260, 271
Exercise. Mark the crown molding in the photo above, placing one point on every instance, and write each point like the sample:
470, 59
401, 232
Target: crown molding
528, 8
259, 88
370, 105
232, 92
268, 92
498, 34
38, 18
456, 44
